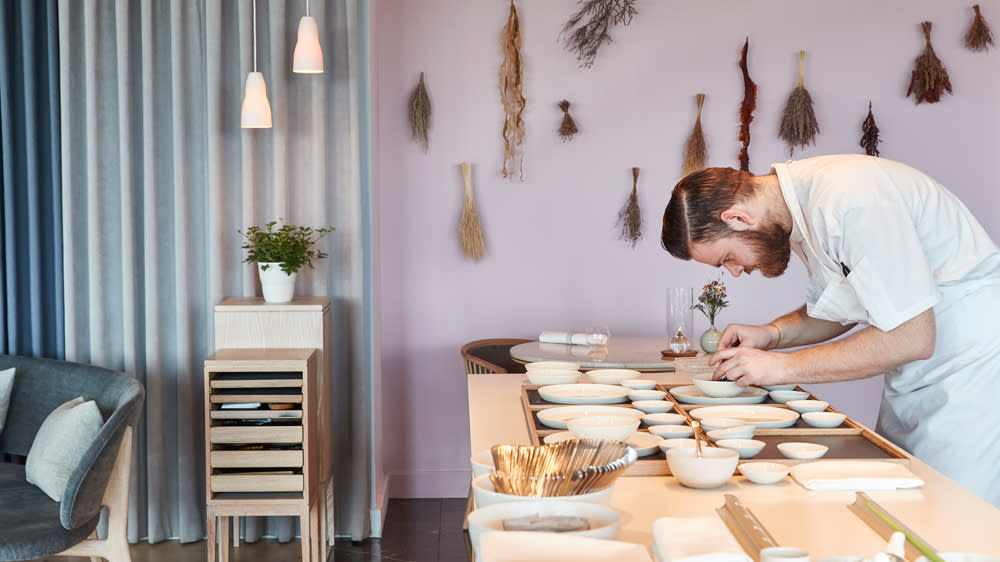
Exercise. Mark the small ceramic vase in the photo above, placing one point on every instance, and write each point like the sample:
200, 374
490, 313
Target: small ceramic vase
710, 339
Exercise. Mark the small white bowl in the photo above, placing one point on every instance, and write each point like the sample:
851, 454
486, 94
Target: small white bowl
713, 423
716, 389
824, 419
675, 442
764, 472
783, 396
653, 406
639, 384
605, 522
778, 386
553, 376
671, 431
663, 418
712, 470
796, 450
611, 428
803, 406
485, 494
744, 431
636, 395
745, 447
549, 365
612, 376
482, 462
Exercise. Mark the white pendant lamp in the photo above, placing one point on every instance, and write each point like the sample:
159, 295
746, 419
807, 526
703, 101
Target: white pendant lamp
256, 113
308, 56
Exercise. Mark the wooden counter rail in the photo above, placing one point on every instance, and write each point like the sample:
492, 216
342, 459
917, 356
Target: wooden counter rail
942, 512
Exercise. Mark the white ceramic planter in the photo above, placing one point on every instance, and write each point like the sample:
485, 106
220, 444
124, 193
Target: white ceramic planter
276, 284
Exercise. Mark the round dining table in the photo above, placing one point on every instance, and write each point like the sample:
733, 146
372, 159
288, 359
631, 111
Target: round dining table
622, 352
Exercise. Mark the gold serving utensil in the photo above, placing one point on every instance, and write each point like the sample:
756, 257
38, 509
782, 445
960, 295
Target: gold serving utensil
696, 426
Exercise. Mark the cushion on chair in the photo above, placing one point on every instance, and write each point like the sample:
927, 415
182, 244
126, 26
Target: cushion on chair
60, 443
6, 384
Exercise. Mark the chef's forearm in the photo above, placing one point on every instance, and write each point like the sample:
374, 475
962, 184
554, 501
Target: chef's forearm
798, 328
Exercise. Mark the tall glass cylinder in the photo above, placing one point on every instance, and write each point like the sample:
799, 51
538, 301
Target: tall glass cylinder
680, 319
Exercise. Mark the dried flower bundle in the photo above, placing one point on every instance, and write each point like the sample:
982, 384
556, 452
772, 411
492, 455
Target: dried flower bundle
629, 219
589, 28
420, 113
929, 79
512, 96
470, 234
695, 152
746, 108
979, 37
798, 122
869, 133
568, 127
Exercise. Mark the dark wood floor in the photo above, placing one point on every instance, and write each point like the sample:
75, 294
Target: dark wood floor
418, 530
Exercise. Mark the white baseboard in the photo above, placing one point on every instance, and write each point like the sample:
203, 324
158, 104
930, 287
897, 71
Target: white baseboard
381, 507
430, 484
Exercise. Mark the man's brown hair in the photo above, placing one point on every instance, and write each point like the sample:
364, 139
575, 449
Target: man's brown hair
695, 208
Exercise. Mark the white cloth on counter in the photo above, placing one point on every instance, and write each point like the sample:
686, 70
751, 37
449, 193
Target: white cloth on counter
854, 475
572, 338
695, 539
530, 546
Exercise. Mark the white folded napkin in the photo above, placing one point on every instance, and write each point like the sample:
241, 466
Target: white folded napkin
854, 475
691, 539
514, 546
573, 338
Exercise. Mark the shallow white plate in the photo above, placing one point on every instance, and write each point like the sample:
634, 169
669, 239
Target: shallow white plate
761, 416
584, 393
557, 417
692, 395
963, 557
605, 522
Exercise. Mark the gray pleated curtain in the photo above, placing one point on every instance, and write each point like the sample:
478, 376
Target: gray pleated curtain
158, 177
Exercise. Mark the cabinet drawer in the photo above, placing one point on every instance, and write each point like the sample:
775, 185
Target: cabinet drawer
260, 459
256, 482
250, 434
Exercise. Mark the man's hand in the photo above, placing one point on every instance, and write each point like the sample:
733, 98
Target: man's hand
745, 335
747, 366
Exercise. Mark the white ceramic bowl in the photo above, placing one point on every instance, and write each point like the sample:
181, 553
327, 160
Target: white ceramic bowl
716, 389
637, 395
744, 431
677, 442
482, 463
671, 431
778, 386
663, 418
653, 406
803, 406
824, 419
712, 470
745, 447
796, 450
713, 423
605, 522
612, 376
611, 428
783, 396
764, 472
549, 365
484, 494
639, 384
553, 376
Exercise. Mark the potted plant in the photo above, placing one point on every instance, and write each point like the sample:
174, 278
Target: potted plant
279, 253
711, 301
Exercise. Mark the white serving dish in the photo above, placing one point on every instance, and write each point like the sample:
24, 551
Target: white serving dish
612, 376
484, 494
665, 431
797, 450
482, 462
803, 406
557, 417
712, 423
639, 384
783, 396
823, 419
747, 448
637, 395
605, 522
761, 416
611, 428
714, 468
653, 406
744, 431
548, 365
583, 394
553, 376
764, 472
677, 442
663, 418
693, 395
716, 389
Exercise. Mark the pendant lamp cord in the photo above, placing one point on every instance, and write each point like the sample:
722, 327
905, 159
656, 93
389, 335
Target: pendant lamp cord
255, 35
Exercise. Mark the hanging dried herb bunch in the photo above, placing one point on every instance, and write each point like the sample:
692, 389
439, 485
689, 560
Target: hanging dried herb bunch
695, 152
798, 122
470, 234
929, 79
979, 37
420, 113
746, 108
869, 133
512, 96
568, 127
590, 27
629, 219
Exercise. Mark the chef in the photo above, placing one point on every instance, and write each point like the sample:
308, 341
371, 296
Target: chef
888, 249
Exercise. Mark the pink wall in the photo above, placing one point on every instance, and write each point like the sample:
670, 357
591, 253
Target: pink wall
554, 260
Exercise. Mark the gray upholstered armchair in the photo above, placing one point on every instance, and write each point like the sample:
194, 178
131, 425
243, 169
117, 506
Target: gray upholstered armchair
32, 524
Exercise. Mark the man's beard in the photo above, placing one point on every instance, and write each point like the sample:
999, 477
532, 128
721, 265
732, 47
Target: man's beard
771, 246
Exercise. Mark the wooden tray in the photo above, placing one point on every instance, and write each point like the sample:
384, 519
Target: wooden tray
849, 441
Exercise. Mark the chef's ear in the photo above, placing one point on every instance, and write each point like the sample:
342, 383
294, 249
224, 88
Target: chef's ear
738, 219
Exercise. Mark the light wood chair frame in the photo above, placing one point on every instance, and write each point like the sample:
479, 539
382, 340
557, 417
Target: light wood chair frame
475, 365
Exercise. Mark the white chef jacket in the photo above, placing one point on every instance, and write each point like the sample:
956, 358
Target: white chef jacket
884, 242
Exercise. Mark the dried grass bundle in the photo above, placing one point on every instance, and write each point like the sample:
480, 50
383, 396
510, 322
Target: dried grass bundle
420, 113
589, 28
979, 37
746, 108
470, 234
798, 122
869, 133
568, 127
695, 152
929, 79
512, 96
629, 218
